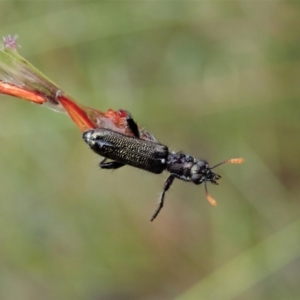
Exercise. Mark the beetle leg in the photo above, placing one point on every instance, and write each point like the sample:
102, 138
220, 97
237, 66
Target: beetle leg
167, 185
110, 165
132, 126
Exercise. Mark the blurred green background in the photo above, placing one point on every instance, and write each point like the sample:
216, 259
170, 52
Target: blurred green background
213, 79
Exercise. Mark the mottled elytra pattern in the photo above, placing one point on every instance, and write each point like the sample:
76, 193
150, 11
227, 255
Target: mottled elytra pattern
145, 155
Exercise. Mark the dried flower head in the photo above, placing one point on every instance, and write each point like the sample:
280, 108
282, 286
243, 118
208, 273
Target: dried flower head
9, 42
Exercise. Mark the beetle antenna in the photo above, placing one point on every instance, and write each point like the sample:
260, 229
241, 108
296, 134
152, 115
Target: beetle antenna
229, 161
210, 199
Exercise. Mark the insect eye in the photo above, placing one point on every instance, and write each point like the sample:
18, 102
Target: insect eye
202, 164
197, 178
